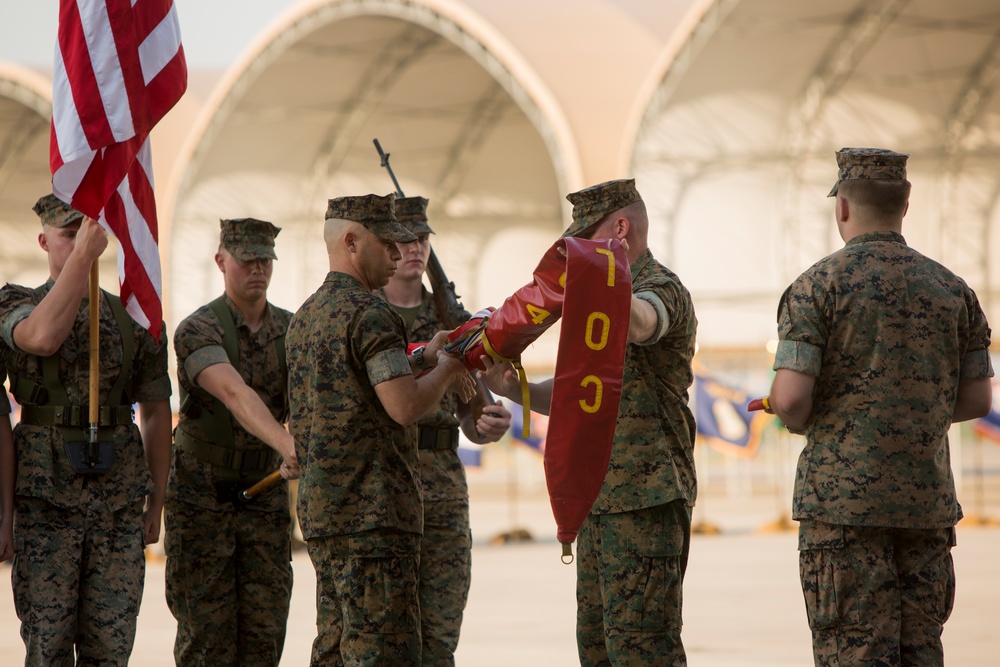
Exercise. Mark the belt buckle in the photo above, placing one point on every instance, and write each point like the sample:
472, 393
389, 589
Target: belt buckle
250, 461
66, 415
423, 439
444, 438
227, 458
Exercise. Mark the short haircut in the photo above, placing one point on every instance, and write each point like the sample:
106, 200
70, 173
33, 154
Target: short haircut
882, 198
635, 212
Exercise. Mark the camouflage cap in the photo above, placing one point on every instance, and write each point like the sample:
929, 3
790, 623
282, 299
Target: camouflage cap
873, 163
248, 239
55, 212
590, 205
411, 212
374, 212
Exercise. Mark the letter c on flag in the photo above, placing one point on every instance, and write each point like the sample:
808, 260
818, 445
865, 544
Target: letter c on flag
596, 405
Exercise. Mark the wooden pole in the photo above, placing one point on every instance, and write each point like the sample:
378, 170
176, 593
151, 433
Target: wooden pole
261, 486
95, 349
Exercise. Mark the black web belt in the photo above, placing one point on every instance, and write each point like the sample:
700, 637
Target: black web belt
245, 461
438, 438
75, 415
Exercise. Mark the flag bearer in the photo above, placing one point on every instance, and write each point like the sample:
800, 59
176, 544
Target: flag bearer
83, 517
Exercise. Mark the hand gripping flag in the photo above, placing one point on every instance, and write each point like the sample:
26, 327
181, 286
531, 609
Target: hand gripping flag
119, 67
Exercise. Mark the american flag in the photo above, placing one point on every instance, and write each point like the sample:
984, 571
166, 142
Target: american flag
119, 67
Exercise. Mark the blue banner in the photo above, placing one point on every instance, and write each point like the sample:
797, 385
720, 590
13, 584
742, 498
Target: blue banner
989, 426
722, 417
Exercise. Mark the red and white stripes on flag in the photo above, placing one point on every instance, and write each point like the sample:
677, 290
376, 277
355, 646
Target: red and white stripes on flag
119, 67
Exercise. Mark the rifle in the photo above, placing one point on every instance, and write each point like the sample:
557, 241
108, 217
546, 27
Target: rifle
446, 302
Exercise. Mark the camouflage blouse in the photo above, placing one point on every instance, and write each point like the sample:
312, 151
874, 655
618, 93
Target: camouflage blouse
442, 475
358, 465
888, 334
198, 344
43, 469
652, 460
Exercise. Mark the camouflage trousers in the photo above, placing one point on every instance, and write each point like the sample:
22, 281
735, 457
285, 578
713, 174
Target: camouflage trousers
78, 578
367, 611
445, 575
629, 573
229, 584
876, 597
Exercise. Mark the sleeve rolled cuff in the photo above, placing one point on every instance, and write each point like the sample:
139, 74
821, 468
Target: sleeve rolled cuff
387, 365
16, 316
202, 358
977, 365
662, 319
157, 390
797, 356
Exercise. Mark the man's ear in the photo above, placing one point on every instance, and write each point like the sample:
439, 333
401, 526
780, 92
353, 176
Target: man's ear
43, 242
219, 262
844, 211
351, 241
622, 227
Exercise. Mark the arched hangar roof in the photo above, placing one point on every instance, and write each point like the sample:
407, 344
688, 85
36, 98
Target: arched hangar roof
25, 116
25, 110
735, 141
466, 122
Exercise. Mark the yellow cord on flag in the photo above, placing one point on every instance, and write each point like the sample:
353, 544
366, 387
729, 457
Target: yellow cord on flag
522, 378
490, 351
525, 399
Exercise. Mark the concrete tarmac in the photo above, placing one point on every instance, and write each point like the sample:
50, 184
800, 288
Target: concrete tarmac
742, 602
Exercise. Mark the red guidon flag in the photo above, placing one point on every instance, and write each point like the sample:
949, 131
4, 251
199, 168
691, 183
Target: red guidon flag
589, 285
119, 67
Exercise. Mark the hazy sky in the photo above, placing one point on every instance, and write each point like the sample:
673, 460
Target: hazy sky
214, 32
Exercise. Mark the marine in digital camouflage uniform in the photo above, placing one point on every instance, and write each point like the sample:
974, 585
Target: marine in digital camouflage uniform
352, 392
446, 547
79, 538
229, 573
632, 549
881, 350
8, 470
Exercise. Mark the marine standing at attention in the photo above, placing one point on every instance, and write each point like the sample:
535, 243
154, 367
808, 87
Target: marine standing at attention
880, 350
83, 517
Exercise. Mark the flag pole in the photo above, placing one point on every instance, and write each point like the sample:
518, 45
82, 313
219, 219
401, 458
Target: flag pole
95, 358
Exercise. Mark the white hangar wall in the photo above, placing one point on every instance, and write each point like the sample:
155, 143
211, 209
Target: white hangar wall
735, 142
25, 110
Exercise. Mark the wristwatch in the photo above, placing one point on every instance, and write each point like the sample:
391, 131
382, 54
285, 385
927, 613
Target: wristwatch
418, 355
